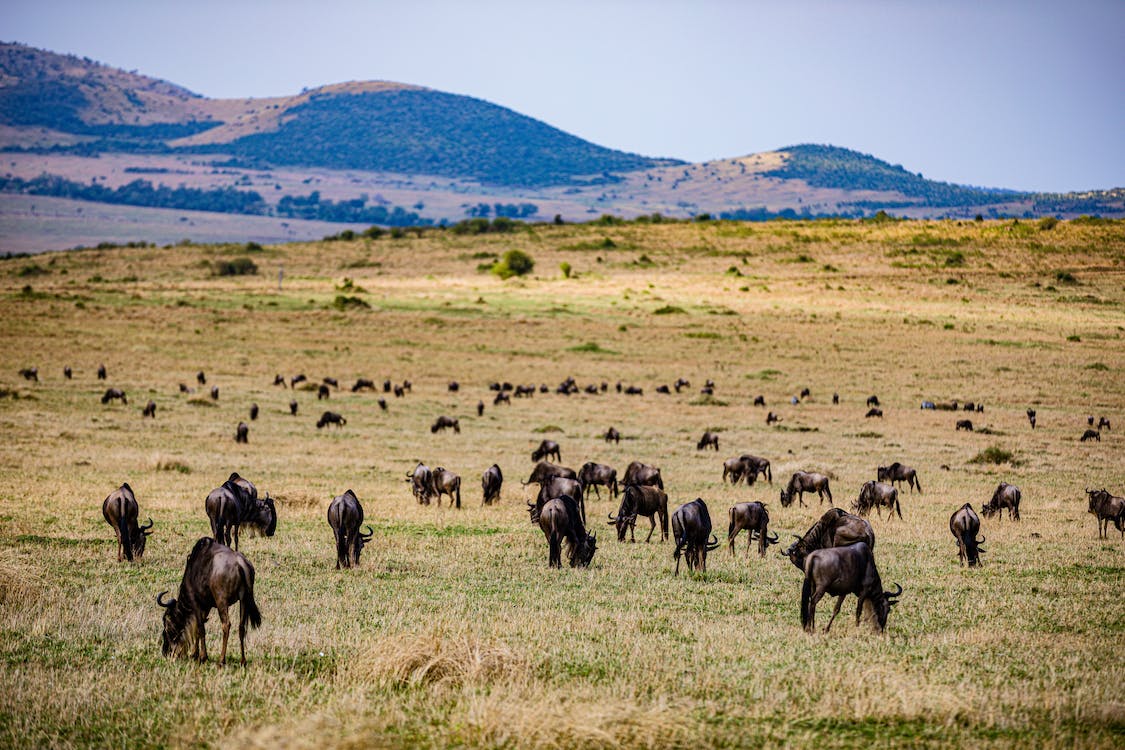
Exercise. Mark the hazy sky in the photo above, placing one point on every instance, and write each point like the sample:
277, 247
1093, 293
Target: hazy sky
1018, 94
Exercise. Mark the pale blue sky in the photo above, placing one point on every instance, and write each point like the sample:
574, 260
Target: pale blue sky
1027, 95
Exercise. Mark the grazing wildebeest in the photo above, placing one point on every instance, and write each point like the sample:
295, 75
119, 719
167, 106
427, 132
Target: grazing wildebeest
708, 439
236, 504
297, 379
561, 520
242, 433
345, 516
557, 487
363, 384
1090, 420
663, 389
835, 399
840, 571
592, 389
1006, 496
408, 386
619, 386
612, 436
964, 524
876, 495
964, 424
544, 471
120, 511
733, 469
453, 386
491, 482
593, 475
928, 405
67, 372
759, 401
215, 577
691, 528
873, 412
253, 412
802, 482
422, 483
279, 379
330, 417
641, 500
502, 398
1031, 417
1107, 508
707, 390
112, 393
969, 406
1087, 435
184, 388
444, 422
215, 392
681, 383
544, 388
896, 472
771, 418
641, 473
756, 520
447, 483
836, 528
149, 410
634, 391
872, 400
30, 373
528, 391
752, 466
323, 392
546, 449
709, 383
382, 403
480, 408
293, 407
201, 378
101, 372
332, 382
386, 386
1102, 422
805, 393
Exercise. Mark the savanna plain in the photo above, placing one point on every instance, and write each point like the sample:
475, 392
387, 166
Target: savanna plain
453, 631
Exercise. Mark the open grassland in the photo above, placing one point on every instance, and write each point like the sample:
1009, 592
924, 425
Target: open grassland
453, 631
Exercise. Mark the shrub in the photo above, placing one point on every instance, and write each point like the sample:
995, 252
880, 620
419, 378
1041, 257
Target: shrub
992, 455
566, 269
1065, 277
373, 232
397, 233
345, 302
236, 267
1047, 223
955, 258
514, 263
668, 310
253, 247
32, 269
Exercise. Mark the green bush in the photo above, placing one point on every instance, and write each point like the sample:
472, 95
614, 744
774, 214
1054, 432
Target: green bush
514, 263
344, 302
236, 267
992, 455
1047, 223
566, 268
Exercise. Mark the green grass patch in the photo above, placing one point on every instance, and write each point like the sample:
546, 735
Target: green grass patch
993, 454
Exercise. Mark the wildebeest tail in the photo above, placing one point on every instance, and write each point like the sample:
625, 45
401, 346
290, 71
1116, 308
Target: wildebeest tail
918, 484
458, 494
250, 612
730, 530
342, 552
769, 473
898, 508
123, 530
806, 599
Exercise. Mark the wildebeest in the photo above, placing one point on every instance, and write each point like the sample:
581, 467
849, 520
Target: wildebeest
836, 528
279, 379
561, 520
733, 469
242, 433
421, 483
872, 401
707, 390
297, 379
755, 465
544, 388
501, 398
382, 403
546, 449
969, 406
330, 417
545, 470
149, 410
873, 412
447, 483
964, 524
101, 372
480, 408
771, 418
293, 407
527, 391
443, 422
201, 378
593, 475
1031, 417
1107, 508
491, 482
897, 472
120, 511
1006, 496
592, 389
184, 388
67, 372
709, 439
641, 473
612, 436
332, 382
840, 571
253, 412
663, 389
634, 391
759, 401
1090, 420
399, 391
691, 528
805, 393
215, 392
557, 487
835, 398
112, 393
681, 383
453, 386
1087, 435
215, 577
363, 384
386, 386
756, 520
1102, 422
323, 392
964, 424
641, 500
30, 373
876, 495
345, 516
928, 405
235, 504
802, 482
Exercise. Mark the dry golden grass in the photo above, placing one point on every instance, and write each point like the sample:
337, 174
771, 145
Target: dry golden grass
452, 631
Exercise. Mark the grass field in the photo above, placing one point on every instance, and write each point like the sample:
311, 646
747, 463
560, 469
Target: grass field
453, 631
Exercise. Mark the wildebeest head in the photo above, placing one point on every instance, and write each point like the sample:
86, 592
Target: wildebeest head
264, 516
175, 622
882, 606
141, 538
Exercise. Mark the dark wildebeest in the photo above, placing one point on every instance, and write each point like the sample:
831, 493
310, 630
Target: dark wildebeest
330, 417
557, 487
491, 482
215, 392
873, 412
297, 379
332, 382
1090, 420
293, 407
453, 386
215, 577
756, 520
733, 469
525, 391
363, 384
561, 520
840, 571
345, 516
443, 422
1102, 422
235, 504
1107, 508
707, 390
408, 386
964, 524
101, 372
964, 424
447, 483
612, 436
641, 500
969, 406
112, 393
836, 528
681, 383
593, 475
253, 412
184, 388
242, 433
1006, 496
502, 398
634, 391
149, 410
759, 401
872, 400
592, 389
708, 439
640, 473
546, 449
663, 389
771, 418
279, 379
752, 466
1087, 435
323, 392
544, 388
1031, 417
67, 372
120, 511
421, 483
896, 472
802, 482
399, 391
691, 528
835, 399
480, 408
201, 378
805, 393
386, 386
382, 403
876, 495
544, 471
30, 373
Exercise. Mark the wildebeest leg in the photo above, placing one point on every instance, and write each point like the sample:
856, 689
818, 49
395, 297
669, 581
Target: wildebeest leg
828, 491
200, 633
817, 595
858, 609
633, 531
242, 636
651, 520
224, 617
835, 611
236, 529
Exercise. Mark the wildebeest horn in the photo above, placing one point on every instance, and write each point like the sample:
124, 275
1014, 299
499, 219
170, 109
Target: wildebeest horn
147, 526
894, 595
772, 540
797, 537
980, 541
160, 600
369, 534
713, 544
